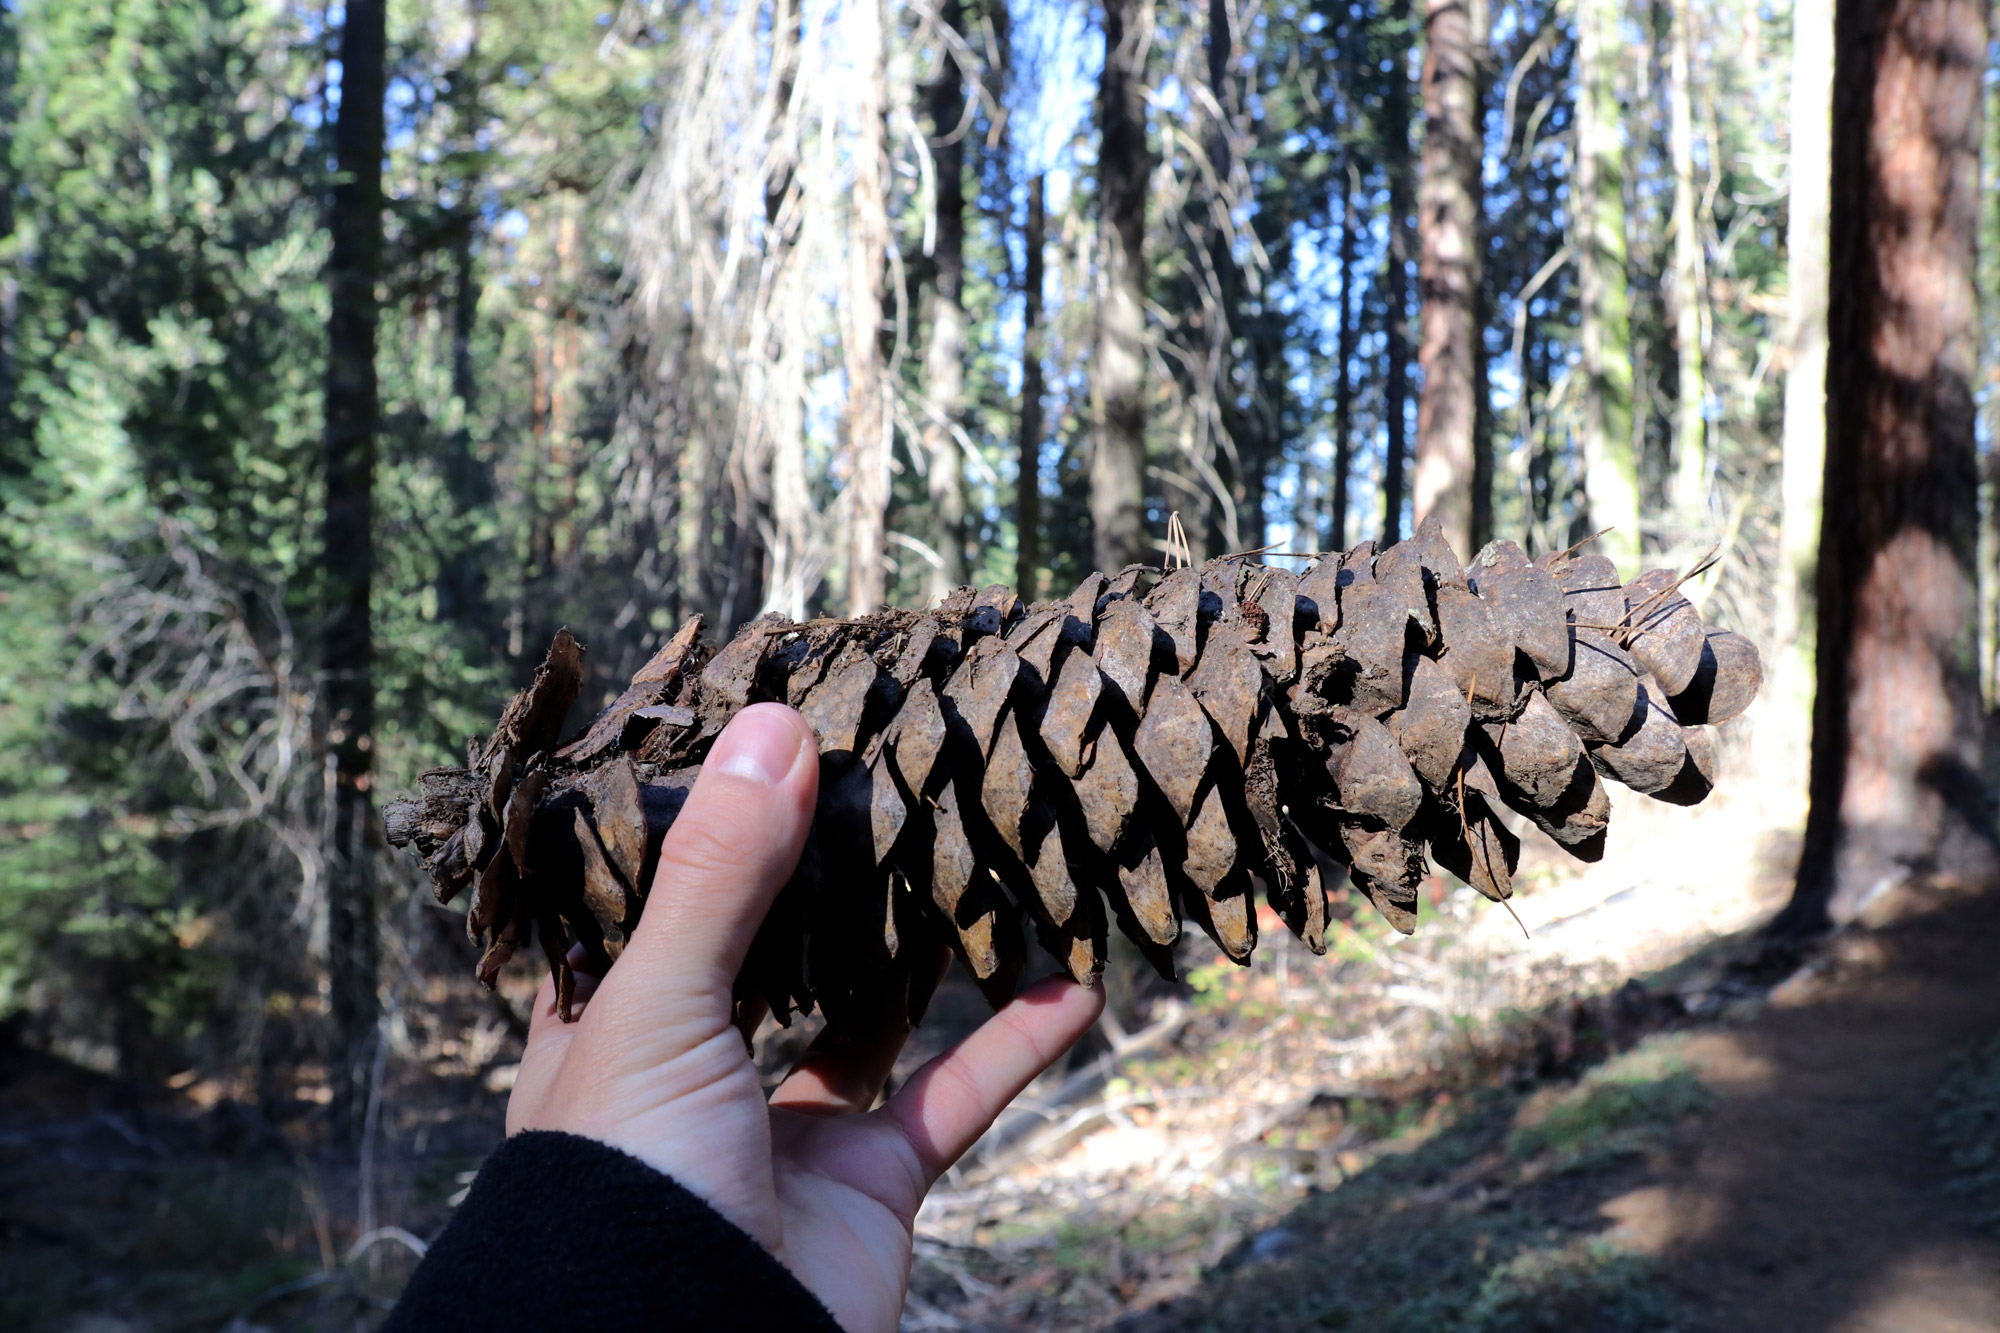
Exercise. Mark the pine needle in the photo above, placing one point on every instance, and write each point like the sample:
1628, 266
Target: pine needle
1574, 547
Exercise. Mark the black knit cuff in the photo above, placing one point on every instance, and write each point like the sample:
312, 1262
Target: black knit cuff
560, 1232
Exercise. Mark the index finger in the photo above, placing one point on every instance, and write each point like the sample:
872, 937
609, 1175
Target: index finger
951, 1101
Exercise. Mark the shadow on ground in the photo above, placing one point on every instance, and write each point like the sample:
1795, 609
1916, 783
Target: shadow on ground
1772, 1168
125, 1211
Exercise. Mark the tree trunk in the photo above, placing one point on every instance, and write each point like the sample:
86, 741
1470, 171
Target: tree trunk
1448, 214
1261, 436
462, 568
466, 118
944, 360
1118, 468
1806, 252
1028, 486
1396, 145
788, 24
1784, 729
1611, 473
464, 317
1895, 780
1690, 453
1482, 427
1242, 463
752, 569
1481, 15
1989, 350
10, 281
1541, 451
347, 657
867, 253
1345, 341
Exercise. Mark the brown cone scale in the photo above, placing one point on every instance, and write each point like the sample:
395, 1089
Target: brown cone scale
1160, 747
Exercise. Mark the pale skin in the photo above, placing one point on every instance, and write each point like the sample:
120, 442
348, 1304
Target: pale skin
654, 1066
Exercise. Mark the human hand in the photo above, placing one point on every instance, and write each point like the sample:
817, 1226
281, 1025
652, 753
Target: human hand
654, 1066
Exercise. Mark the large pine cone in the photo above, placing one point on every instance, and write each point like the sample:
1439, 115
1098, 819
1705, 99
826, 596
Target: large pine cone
1152, 746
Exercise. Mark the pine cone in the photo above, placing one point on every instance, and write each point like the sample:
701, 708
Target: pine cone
1143, 751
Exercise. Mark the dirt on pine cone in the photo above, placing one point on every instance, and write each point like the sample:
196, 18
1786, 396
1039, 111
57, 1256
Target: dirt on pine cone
1150, 751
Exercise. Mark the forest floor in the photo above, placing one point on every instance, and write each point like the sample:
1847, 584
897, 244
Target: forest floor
1774, 1165
1638, 1118
1644, 1120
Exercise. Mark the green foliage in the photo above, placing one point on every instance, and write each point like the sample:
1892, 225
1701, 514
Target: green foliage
1968, 1127
166, 246
159, 421
165, 235
1586, 1281
1619, 1107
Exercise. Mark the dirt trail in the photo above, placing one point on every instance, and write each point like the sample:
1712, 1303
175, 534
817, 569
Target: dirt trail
1811, 1197
1798, 1189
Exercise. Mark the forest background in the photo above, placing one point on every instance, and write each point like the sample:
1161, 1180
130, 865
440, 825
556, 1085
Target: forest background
348, 352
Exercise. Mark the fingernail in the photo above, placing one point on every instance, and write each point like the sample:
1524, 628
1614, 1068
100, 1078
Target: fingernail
761, 744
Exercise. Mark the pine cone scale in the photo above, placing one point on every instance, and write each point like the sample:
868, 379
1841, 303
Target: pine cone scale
1228, 683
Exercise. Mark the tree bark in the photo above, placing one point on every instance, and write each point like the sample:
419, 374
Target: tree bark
1482, 427
1989, 344
1481, 15
462, 570
347, 655
10, 281
1690, 452
1895, 781
867, 254
1541, 451
1784, 729
751, 570
1118, 467
1611, 473
788, 23
1242, 463
1448, 215
1806, 257
1346, 341
1396, 146
944, 360
1028, 486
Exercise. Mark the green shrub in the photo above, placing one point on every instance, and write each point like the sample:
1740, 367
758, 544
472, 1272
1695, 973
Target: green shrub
1968, 1126
1619, 1107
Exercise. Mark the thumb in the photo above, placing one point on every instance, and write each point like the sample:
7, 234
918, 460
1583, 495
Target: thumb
722, 863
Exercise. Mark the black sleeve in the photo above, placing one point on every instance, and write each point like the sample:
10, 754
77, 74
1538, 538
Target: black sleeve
560, 1232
